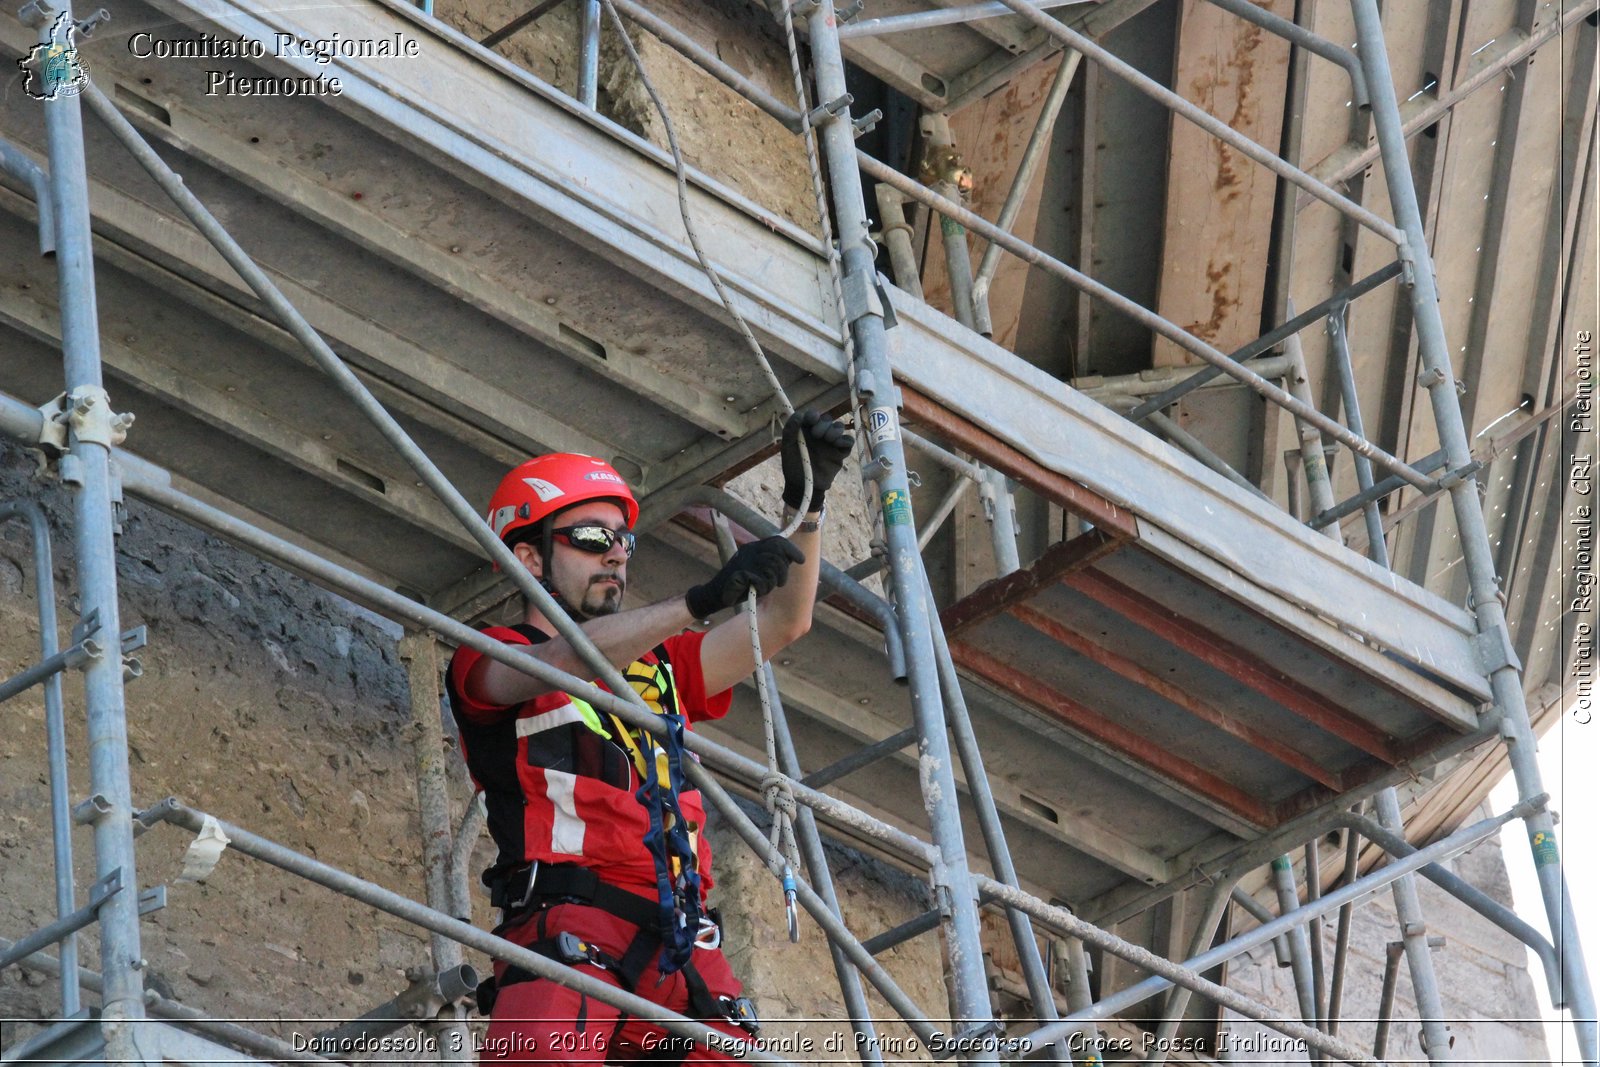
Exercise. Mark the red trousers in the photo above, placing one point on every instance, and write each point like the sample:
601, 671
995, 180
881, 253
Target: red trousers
544, 1022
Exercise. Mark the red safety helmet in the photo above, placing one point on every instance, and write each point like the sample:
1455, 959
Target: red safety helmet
544, 485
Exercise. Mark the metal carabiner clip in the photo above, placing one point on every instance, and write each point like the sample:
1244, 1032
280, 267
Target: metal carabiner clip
709, 936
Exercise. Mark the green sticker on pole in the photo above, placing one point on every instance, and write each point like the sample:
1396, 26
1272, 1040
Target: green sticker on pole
1545, 853
896, 508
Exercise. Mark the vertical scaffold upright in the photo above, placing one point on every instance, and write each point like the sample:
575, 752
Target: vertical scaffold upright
86, 470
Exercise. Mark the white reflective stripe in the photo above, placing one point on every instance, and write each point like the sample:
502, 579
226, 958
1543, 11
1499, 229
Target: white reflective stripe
566, 826
565, 715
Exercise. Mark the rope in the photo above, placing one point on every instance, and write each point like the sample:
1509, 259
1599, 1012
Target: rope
680, 172
776, 786
847, 340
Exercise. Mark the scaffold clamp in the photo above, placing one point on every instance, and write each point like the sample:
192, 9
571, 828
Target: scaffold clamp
91, 419
53, 431
36, 13
1494, 650
86, 26
825, 113
860, 296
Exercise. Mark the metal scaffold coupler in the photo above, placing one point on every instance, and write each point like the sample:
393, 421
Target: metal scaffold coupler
828, 112
91, 419
87, 25
36, 13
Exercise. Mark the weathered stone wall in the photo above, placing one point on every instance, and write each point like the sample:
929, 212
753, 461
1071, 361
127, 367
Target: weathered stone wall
1485, 986
720, 132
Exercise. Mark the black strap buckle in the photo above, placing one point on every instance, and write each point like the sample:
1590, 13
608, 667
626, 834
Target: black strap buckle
741, 1012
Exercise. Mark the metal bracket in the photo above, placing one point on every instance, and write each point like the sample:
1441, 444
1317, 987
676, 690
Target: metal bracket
867, 122
87, 626
1408, 265
53, 431
1430, 377
36, 14
1450, 479
860, 296
87, 26
135, 639
93, 421
849, 11
132, 641
152, 899
1494, 650
889, 319
105, 888
823, 114
91, 810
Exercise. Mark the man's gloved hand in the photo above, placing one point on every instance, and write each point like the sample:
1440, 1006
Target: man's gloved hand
830, 445
761, 565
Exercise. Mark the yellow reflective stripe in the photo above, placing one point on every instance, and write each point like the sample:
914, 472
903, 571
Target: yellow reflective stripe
591, 718
568, 714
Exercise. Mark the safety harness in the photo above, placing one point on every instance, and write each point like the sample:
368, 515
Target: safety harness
671, 840
527, 893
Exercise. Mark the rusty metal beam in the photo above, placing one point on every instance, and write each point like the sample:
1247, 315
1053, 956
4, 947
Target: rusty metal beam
1052, 702
1230, 659
1175, 694
1002, 594
994, 452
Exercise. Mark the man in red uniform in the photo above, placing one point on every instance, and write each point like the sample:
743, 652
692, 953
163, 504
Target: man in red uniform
602, 864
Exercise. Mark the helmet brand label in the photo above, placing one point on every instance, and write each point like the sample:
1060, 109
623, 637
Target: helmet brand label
546, 491
602, 476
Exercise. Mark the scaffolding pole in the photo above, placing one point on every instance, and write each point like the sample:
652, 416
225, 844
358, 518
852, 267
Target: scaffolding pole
86, 470
874, 383
935, 687
1505, 673
44, 588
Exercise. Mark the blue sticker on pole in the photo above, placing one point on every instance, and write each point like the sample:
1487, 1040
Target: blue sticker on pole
896, 508
1545, 853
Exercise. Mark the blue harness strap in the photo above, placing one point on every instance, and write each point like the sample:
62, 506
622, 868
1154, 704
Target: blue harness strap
677, 876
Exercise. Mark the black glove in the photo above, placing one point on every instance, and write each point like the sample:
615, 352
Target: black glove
761, 565
830, 446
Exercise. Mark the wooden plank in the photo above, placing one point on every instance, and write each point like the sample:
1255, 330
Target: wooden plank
1219, 203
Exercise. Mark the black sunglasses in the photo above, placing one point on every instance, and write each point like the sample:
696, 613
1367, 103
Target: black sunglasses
596, 539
